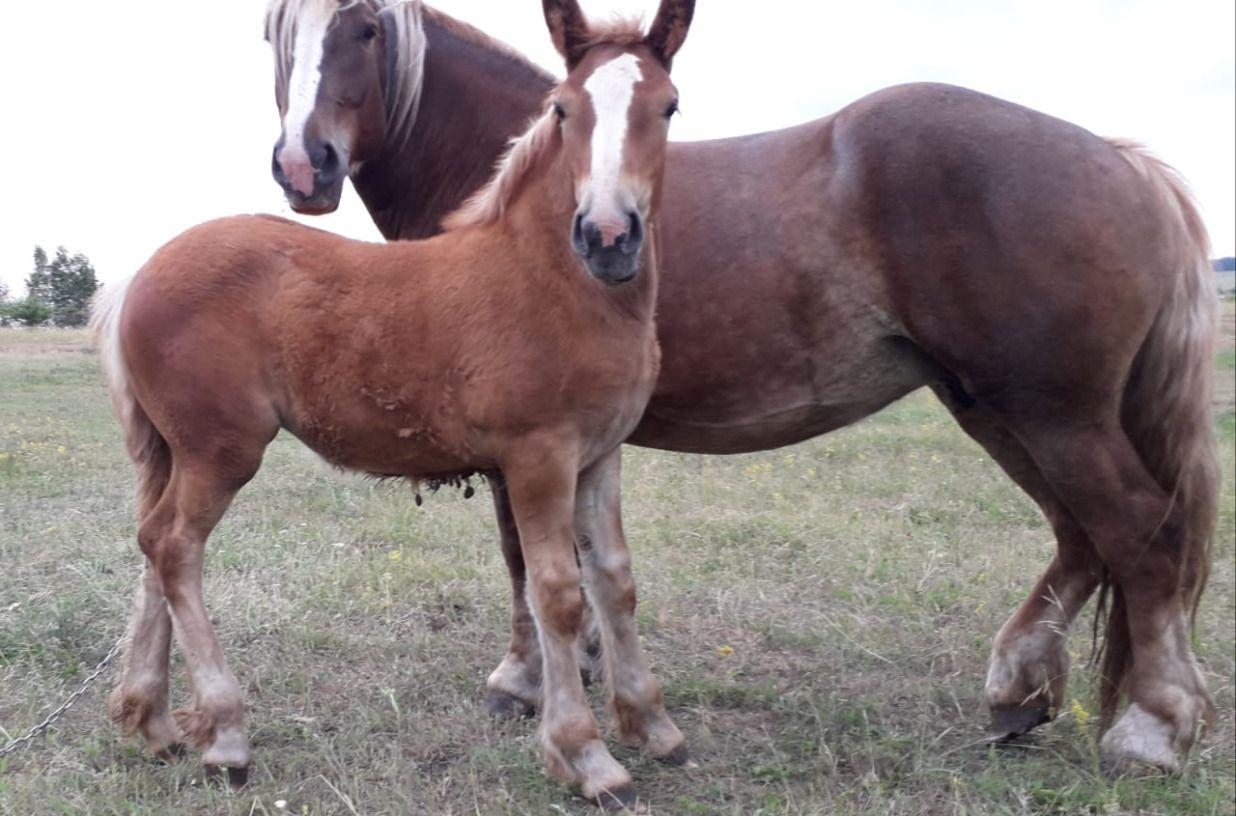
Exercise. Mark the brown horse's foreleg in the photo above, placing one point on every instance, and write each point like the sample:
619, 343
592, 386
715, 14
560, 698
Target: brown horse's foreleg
542, 490
140, 700
1028, 673
606, 561
174, 539
1137, 530
514, 688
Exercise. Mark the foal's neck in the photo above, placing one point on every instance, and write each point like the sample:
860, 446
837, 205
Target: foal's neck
473, 100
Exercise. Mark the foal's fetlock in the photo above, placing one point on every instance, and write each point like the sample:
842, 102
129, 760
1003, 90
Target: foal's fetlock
197, 726
513, 690
134, 713
599, 777
1025, 688
650, 729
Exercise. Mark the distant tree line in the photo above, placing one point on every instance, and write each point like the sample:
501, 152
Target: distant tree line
1227, 264
58, 292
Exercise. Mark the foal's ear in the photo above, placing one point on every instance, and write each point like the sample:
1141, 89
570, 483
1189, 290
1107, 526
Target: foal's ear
669, 30
568, 27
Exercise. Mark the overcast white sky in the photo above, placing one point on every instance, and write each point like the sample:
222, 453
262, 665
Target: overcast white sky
127, 123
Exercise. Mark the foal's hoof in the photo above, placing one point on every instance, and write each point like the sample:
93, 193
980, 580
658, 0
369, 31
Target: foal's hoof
173, 753
619, 799
237, 775
1010, 722
501, 704
680, 756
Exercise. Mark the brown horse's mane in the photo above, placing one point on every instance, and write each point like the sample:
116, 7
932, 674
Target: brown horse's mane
527, 151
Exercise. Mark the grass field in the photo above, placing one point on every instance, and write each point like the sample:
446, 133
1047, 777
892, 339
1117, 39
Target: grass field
819, 618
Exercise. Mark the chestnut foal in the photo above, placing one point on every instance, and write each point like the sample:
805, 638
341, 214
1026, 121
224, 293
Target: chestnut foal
486, 349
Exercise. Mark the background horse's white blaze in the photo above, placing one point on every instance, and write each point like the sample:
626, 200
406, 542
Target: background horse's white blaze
611, 88
311, 31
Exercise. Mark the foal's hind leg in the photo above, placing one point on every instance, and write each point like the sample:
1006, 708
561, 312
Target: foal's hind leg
140, 700
1027, 676
174, 538
1137, 530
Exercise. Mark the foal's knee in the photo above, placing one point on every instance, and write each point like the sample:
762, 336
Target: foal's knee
560, 605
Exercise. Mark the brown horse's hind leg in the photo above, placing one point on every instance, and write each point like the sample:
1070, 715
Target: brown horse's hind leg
1027, 676
606, 562
541, 480
1137, 531
174, 538
140, 700
514, 688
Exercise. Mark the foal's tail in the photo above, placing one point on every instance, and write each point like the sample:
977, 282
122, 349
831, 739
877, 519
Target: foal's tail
147, 447
1166, 412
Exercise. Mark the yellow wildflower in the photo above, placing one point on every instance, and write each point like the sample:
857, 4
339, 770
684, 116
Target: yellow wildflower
1080, 712
725, 651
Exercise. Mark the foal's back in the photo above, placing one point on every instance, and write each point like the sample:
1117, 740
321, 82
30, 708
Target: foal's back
412, 358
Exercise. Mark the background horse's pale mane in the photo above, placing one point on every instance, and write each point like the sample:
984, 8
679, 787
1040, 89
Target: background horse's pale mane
489, 203
405, 53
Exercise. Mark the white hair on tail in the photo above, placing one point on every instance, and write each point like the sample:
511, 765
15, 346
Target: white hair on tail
105, 311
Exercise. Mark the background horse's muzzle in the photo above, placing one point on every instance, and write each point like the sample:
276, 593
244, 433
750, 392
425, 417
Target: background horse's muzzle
311, 179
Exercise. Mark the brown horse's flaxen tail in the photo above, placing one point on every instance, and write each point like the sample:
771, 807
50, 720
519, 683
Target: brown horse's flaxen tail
1166, 412
147, 448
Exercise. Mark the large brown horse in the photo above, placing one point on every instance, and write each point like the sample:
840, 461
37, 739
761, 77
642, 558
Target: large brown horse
1049, 285
487, 349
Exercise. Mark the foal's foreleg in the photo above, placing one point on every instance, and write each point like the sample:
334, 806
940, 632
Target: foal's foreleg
140, 700
542, 490
606, 561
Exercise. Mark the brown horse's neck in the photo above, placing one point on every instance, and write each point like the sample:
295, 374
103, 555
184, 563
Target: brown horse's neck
474, 99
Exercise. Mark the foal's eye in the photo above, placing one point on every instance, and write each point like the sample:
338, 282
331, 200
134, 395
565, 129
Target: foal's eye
671, 109
369, 32
559, 112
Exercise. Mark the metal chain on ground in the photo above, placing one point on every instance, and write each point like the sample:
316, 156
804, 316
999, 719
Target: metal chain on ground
51, 718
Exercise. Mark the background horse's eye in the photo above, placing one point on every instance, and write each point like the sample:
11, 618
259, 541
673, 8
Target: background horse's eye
559, 111
672, 109
369, 32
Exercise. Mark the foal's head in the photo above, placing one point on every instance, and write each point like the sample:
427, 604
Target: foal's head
613, 112
331, 64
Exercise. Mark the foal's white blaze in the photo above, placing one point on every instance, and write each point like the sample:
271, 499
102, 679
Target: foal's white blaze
303, 93
611, 88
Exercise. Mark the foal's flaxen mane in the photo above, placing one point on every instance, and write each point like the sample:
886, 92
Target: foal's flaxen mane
489, 203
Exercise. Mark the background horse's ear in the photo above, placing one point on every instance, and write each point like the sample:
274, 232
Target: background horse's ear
669, 30
568, 27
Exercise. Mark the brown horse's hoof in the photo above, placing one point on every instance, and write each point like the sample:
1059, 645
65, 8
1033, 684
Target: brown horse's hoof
680, 756
619, 799
508, 706
173, 753
237, 776
1010, 722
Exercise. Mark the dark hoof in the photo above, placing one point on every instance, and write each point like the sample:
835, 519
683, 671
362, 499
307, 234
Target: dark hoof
624, 798
501, 704
237, 776
173, 753
679, 756
1010, 722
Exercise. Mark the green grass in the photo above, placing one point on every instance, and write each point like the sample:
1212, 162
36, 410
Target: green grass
819, 618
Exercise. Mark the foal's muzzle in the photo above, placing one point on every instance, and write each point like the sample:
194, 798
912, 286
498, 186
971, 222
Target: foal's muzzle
311, 179
611, 253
